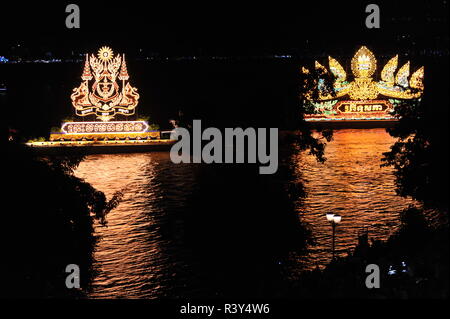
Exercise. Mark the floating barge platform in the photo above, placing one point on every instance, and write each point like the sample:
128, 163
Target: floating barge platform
352, 124
101, 147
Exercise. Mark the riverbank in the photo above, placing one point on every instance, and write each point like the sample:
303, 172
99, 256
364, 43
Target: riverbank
49, 224
413, 263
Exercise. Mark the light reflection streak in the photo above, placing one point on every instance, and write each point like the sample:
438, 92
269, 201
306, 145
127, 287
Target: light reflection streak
132, 253
350, 183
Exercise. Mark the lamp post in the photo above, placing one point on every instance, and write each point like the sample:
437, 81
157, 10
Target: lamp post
334, 220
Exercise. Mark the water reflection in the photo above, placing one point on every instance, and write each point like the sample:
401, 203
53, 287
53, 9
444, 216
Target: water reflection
350, 183
142, 254
135, 255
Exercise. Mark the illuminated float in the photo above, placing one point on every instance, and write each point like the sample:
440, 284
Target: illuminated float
363, 99
104, 93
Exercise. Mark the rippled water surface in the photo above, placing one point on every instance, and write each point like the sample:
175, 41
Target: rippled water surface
136, 256
141, 254
350, 183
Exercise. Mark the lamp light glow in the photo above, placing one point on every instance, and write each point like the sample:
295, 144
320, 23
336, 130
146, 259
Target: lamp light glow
337, 219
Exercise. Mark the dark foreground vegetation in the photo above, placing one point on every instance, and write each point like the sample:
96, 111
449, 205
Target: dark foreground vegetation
240, 226
413, 263
47, 224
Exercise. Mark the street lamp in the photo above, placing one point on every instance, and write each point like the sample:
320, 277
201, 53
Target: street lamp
334, 220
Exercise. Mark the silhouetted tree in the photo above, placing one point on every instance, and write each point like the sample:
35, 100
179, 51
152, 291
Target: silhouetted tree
420, 156
310, 91
47, 223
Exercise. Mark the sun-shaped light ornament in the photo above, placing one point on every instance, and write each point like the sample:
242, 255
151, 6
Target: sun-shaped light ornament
105, 54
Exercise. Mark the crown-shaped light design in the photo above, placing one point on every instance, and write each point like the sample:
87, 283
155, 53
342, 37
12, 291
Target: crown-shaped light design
363, 87
105, 90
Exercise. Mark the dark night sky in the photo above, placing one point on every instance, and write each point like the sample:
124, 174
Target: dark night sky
222, 28
225, 93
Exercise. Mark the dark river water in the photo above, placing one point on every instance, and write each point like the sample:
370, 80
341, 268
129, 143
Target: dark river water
135, 260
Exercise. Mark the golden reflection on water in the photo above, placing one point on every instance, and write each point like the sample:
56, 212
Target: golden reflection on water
132, 254
350, 183
138, 257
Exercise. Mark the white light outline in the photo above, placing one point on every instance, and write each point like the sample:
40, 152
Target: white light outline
145, 123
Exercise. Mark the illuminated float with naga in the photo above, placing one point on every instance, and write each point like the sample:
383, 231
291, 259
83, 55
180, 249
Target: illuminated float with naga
363, 99
104, 94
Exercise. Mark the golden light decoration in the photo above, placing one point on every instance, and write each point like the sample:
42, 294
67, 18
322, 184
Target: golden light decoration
387, 74
364, 63
304, 70
416, 80
103, 128
105, 90
363, 89
105, 54
337, 69
319, 66
402, 75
